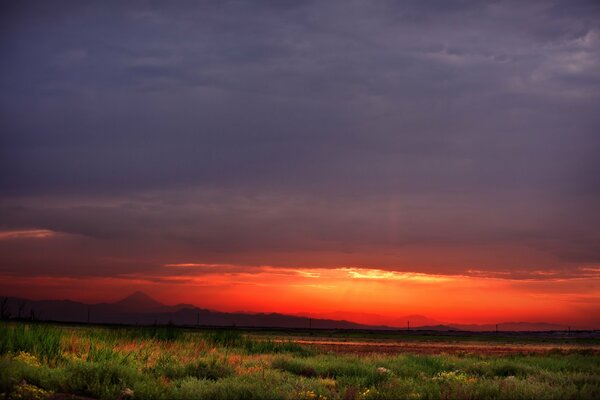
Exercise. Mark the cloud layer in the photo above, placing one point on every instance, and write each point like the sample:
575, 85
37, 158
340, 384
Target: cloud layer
437, 138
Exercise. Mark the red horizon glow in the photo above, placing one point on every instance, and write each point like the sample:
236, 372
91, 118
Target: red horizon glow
359, 294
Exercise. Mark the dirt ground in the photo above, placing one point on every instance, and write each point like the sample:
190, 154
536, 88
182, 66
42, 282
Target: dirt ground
391, 347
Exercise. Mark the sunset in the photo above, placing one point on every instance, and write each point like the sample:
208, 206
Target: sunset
325, 169
364, 295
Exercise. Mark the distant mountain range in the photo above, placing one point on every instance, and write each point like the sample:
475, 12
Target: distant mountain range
141, 309
401, 322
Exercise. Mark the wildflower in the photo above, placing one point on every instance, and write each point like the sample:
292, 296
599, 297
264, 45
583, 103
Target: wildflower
25, 390
28, 359
451, 376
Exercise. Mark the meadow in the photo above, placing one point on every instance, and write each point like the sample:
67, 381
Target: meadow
45, 361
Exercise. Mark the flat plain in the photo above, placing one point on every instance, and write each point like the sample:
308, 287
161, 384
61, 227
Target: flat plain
51, 361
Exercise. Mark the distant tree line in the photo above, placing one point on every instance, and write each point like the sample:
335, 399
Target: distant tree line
5, 313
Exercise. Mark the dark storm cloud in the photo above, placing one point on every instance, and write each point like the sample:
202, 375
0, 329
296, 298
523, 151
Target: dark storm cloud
202, 128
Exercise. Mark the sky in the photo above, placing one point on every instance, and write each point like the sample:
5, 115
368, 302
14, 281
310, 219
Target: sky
342, 157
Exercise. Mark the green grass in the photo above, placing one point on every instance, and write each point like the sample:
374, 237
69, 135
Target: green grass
235, 339
431, 336
168, 333
43, 341
37, 360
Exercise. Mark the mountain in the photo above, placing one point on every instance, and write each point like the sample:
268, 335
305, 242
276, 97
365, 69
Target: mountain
415, 321
139, 302
376, 319
510, 326
141, 309
358, 317
439, 328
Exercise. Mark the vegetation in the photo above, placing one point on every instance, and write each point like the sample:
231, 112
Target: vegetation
39, 361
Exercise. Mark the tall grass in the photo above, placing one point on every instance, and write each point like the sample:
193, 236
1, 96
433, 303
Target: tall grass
234, 339
352, 370
225, 338
212, 368
172, 363
107, 354
167, 333
42, 341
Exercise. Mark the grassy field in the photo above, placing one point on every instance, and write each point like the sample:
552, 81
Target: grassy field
42, 361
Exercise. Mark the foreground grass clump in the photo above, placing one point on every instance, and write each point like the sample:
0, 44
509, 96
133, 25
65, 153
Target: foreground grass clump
40, 340
213, 368
46, 362
352, 371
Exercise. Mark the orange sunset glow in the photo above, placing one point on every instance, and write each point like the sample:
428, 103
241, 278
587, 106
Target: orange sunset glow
365, 295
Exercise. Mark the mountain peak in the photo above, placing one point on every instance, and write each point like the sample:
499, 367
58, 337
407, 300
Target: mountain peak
139, 295
139, 302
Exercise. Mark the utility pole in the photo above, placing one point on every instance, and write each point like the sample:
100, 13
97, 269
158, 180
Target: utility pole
496, 328
408, 325
21, 306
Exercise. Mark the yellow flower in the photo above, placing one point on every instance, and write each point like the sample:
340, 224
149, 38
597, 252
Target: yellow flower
28, 359
452, 376
26, 391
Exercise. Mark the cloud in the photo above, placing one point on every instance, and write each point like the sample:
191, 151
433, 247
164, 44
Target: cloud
189, 228
419, 138
26, 234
